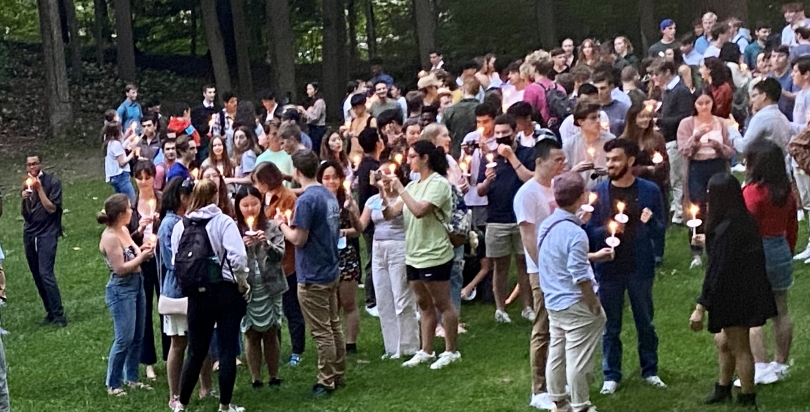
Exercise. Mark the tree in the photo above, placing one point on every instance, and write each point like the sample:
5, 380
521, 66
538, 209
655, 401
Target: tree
332, 49
729, 8
59, 111
194, 18
75, 41
371, 29
213, 37
124, 41
544, 12
278, 14
100, 22
426, 20
240, 32
647, 25
351, 18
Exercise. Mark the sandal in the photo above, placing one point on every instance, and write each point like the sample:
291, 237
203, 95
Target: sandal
150, 373
139, 385
117, 392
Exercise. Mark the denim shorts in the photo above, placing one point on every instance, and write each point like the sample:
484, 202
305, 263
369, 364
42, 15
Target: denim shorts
778, 262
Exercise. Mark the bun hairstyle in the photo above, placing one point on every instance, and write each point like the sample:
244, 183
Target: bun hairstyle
115, 206
437, 161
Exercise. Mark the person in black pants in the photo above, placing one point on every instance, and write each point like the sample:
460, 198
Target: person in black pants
222, 303
295, 320
42, 212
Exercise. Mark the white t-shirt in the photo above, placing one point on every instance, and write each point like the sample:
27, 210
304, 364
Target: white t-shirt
568, 129
711, 51
576, 151
511, 96
111, 166
533, 204
472, 198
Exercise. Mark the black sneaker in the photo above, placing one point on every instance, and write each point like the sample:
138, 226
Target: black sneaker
319, 391
351, 348
59, 322
274, 382
46, 321
257, 384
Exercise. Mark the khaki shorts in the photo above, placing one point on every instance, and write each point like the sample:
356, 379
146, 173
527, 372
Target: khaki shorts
503, 239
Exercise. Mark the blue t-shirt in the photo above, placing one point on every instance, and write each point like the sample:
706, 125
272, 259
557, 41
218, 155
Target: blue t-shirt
785, 104
503, 189
318, 211
178, 170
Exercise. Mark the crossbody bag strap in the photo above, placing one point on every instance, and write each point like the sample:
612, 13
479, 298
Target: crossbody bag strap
543, 237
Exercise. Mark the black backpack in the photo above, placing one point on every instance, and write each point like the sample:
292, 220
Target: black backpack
559, 105
196, 266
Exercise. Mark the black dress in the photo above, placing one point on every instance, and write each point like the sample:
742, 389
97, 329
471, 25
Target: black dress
736, 290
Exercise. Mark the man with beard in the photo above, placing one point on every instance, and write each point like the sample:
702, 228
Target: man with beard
162, 168
500, 181
630, 209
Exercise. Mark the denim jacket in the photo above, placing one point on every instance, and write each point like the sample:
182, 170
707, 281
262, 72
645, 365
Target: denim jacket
169, 288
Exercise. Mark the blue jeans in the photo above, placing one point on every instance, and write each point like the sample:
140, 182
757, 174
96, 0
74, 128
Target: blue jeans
611, 294
457, 277
122, 184
127, 303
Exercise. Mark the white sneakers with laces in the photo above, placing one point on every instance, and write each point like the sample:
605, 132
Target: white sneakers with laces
655, 381
233, 408
445, 359
502, 317
804, 255
420, 357
528, 314
609, 387
696, 261
767, 373
541, 401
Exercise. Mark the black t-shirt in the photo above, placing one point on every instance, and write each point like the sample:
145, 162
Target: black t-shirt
625, 256
502, 190
38, 222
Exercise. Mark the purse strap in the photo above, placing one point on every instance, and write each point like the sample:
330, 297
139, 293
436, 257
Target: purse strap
542, 238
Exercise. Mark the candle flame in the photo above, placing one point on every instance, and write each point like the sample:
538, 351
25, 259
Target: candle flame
195, 173
591, 152
743, 67
347, 184
463, 166
392, 168
211, 121
592, 198
613, 226
288, 214
694, 209
356, 159
249, 221
620, 206
29, 182
480, 130
398, 158
152, 239
649, 107
490, 157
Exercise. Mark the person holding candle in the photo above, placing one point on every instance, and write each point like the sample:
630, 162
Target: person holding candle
373, 146
330, 175
265, 249
332, 150
223, 197
575, 316
770, 199
218, 158
223, 303
361, 120
315, 231
632, 270
704, 144
736, 291
429, 253
534, 202
579, 158
42, 212
116, 161
269, 180
145, 222
186, 150
124, 294
513, 166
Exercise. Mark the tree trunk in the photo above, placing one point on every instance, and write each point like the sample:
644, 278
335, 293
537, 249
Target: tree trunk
278, 14
75, 40
213, 37
331, 83
193, 49
124, 41
544, 12
371, 29
344, 54
729, 8
60, 115
351, 17
99, 24
242, 55
647, 24
426, 19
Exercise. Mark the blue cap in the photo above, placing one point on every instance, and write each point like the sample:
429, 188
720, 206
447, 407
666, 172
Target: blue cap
666, 23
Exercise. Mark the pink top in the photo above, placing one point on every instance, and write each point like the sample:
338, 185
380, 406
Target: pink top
535, 95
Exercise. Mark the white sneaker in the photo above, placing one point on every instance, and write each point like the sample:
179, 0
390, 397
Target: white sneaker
419, 357
528, 314
800, 215
178, 408
373, 311
609, 387
445, 359
804, 255
502, 317
390, 356
233, 408
780, 370
738, 168
542, 401
677, 219
696, 261
763, 375
655, 381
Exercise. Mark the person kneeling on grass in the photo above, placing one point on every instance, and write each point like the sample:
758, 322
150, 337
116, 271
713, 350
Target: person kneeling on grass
265, 248
736, 291
576, 318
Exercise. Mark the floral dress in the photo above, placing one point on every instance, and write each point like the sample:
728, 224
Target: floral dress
349, 255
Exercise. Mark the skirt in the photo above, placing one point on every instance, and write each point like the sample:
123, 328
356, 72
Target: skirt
175, 325
263, 311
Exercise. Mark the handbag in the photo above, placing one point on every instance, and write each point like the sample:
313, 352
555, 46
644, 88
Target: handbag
172, 306
799, 148
459, 223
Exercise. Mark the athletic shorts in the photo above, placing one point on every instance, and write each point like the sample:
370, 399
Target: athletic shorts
439, 273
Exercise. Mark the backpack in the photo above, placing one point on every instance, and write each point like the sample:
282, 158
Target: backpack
196, 266
459, 224
559, 105
799, 149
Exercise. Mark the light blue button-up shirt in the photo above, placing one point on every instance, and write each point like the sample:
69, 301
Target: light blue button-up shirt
563, 260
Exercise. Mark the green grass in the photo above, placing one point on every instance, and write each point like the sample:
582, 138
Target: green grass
64, 369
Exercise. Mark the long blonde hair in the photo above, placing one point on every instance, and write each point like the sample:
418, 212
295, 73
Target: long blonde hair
204, 194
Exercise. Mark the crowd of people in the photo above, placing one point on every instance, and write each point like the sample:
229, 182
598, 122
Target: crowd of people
571, 163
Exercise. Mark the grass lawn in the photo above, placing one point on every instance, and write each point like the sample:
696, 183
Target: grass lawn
64, 369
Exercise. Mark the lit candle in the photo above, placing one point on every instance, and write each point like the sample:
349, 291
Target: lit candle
463, 166
694, 209
29, 182
743, 67
398, 158
591, 153
151, 207
649, 108
195, 173
288, 215
152, 239
211, 121
491, 160
356, 160
392, 168
694, 222
613, 226
591, 200
657, 158
613, 241
249, 221
620, 206
347, 184
480, 130
221, 170
621, 217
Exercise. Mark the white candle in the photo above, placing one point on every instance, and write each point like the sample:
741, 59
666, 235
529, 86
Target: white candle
151, 207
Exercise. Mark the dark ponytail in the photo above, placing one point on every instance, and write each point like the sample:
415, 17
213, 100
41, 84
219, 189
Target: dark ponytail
437, 161
115, 206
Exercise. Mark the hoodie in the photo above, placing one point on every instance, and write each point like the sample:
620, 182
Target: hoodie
181, 125
225, 240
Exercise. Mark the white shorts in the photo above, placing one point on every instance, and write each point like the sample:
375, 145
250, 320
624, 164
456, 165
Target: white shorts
175, 325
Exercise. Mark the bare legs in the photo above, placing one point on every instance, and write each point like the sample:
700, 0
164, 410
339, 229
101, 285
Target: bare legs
432, 297
734, 353
783, 333
262, 346
347, 299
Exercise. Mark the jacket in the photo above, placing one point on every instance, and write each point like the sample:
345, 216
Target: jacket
264, 261
460, 120
676, 105
168, 287
647, 234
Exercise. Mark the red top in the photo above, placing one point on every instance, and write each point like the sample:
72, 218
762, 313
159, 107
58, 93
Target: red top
772, 220
723, 97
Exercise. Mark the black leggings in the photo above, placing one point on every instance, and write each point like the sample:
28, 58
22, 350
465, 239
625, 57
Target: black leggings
151, 287
295, 319
224, 306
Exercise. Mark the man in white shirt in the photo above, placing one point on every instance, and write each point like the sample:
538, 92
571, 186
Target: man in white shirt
794, 14
352, 88
721, 33
533, 203
436, 60
690, 56
585, 92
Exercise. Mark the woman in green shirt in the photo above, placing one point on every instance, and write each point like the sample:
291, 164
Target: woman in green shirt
429, 253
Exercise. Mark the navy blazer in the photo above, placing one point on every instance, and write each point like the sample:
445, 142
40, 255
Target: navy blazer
649, 196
